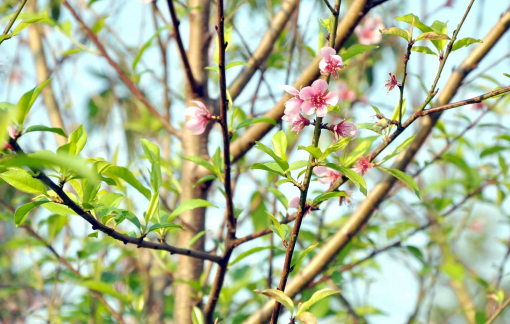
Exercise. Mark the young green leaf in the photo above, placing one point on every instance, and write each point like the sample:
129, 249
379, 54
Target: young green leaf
255, 120
280, 145
105, 288
317, 296
335, 146
306, 318
250, 252
432, 36
399, 149
23, 181
410, 18
314, 151
283, 164
269, 167
164, 225
424, 50
280, 196
21, 213
298, 165
396, 31
153, 208
279, 296
328, 195
126, 175
152, 153
195, 238
303, 254
42, 128
197, 317
440, 28
355, 50
200, 161
361, 149
405, 178
277, 225
352, 175
206, 178
282, 181
190, 205
236, 63
27, 101
79, 139
464, 42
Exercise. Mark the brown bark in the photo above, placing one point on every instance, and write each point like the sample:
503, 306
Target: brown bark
189, 268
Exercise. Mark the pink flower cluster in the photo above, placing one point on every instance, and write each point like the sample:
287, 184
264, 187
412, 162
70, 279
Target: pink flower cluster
368, 33
331, 63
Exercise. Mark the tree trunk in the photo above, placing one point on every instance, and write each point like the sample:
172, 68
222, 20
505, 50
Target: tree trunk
190, 269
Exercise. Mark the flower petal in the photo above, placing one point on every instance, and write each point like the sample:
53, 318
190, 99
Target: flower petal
319, 86
326, 52
320, 171
332, 98
201, 106
308, 108
291, 90
192, 111
293, 106
307, 93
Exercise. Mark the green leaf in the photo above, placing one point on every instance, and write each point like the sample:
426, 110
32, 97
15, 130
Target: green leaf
23, 181
298, 165
200, 161
255, 120
302, 255
318, 295
283, 164
145, 46
396, 31
190, 205
197, 317
280, 196
21, 213
464, 42
355, 50
126, 175
105, 288
164, 225
493, 150
236, 63
405, 178
361, 149
42, 128
280, 145
410, 18
282, 181
59, 209
228, 40
152, 153
277, 225
153, 208
206, 178
335, 146
395, 114
94, 234
279, 296
432, 36
327, 195
269, 167
79, 139
24, 24
314, 151
507, 75
250, 252
423, 49
399, 149
196, 238
440, 28
27, 101
352, 175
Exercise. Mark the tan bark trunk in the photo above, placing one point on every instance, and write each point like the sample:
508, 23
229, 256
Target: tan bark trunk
43, 73
190, 268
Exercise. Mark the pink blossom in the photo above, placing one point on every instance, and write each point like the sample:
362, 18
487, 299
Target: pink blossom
392, 82
345, 93
147, 1
344, 129
362, 166
477, 226
368, 33
294, 202
293, 105
326, 175
199, 116
477, 106
330, 63
298, 122
318, 98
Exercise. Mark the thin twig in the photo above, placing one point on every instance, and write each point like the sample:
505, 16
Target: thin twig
129, 83
11, 22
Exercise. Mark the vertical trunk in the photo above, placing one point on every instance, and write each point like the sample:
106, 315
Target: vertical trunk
43, 73
190, 268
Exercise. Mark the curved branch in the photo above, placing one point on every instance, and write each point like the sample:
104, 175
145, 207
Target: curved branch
96, 225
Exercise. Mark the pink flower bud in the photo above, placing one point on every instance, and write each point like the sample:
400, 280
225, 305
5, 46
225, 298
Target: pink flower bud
199, 117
